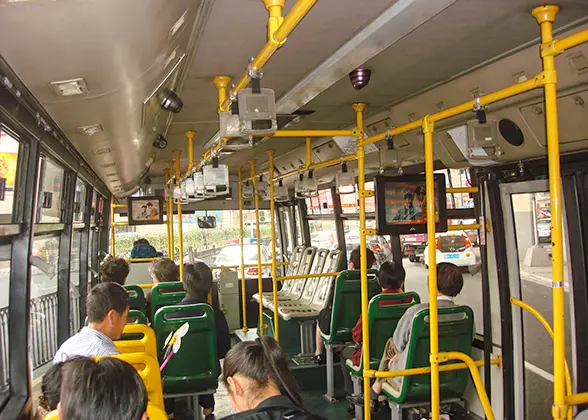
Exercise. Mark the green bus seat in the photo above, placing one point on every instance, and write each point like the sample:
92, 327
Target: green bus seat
193, 370
346, 309
136, 297
383, 319
456, 334
135, 317
166, 294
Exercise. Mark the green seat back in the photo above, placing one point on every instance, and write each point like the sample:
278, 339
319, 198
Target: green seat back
166, 294
383, 319
456, 329
194, 368
135, 317
347, 303
136, 297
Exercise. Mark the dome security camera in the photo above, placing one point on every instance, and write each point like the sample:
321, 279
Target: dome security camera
360, 78
170, 101
160, 142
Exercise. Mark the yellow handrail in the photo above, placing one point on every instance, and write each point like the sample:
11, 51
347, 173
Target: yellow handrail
258, 237
497, 361
138, 260
549, 330
461, 190
274, 245
241, 244
307, 276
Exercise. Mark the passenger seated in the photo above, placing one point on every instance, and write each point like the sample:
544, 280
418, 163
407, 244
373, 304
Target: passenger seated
324, 319
107, 307
50, 391
260, 384
391, 278
449, 285
143, 249
107, 389
114, 270
163, 270
198, 282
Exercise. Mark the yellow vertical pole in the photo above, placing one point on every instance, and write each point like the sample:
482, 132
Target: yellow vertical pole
274, 266
428, 128
112, 233
358, 108
258, 236
308, 154
190, 136
545, 16
243, 289
169, 215
177, 154
172, 171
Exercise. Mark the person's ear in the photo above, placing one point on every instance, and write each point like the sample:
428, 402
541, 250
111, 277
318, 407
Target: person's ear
351, 266
59, 409
144, 416
111, 316
234, 385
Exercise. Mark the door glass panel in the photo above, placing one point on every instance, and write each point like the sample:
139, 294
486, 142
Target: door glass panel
74, 273
8, 160
323, 234
532, 220
50, 192
5, 253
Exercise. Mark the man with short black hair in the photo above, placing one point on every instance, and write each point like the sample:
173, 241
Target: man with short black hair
107, 307
114, 270
107, 389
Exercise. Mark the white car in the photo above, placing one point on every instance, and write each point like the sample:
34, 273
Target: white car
453, 247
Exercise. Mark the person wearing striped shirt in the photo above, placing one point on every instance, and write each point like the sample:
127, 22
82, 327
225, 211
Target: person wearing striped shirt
107, 307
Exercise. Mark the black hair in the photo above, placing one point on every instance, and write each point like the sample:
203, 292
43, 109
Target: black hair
144, 207
197, 280
263, 361
449, 279
51, 387
420, 190
102, 390
408, 194
391, 275
150, 204
114, 270
105, 297
355, 258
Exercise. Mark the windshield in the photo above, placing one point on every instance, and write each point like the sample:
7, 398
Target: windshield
452, 243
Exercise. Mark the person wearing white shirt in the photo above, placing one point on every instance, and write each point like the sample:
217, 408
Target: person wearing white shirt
107, 307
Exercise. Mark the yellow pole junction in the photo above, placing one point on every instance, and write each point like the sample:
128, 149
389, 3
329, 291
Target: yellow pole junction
177, 154
258, 237
190, 136
545, 16
243, 292
274, 7
270, 154
112, 225
221, 83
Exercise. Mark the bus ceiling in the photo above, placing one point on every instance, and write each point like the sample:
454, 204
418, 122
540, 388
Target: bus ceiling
100, 69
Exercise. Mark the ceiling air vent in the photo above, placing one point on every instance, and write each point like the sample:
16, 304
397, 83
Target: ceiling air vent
108, 165
103, 151
70, 87
90, 130
110, 175
579, 63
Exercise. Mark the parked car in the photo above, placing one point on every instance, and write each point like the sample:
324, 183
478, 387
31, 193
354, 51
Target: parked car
453, 247
231, 256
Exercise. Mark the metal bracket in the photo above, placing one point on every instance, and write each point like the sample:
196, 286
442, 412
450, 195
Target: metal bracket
366, 193
438, 358
549, 49
427, 126
357, 132
546, 77
254, 73
368, 232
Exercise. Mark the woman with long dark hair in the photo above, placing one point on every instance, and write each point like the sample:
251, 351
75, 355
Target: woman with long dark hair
260, 384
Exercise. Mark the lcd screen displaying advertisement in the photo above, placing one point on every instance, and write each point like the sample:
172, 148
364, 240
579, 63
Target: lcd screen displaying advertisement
401, 204
145, 210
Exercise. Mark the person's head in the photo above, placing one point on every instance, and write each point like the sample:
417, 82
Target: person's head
102, 390
420, 193
51, 387
391, 275
141, 241
449, 280
408, 199
197, 280
143, 208
114, 270
108, 307
256, 370
150, 205
355, 259
164, 270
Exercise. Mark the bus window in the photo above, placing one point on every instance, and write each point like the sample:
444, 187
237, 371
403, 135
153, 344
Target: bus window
79, 202
286, 227
5, 252
299, 240
323, 234
44, 299
74, 270
50, 192
8, 162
